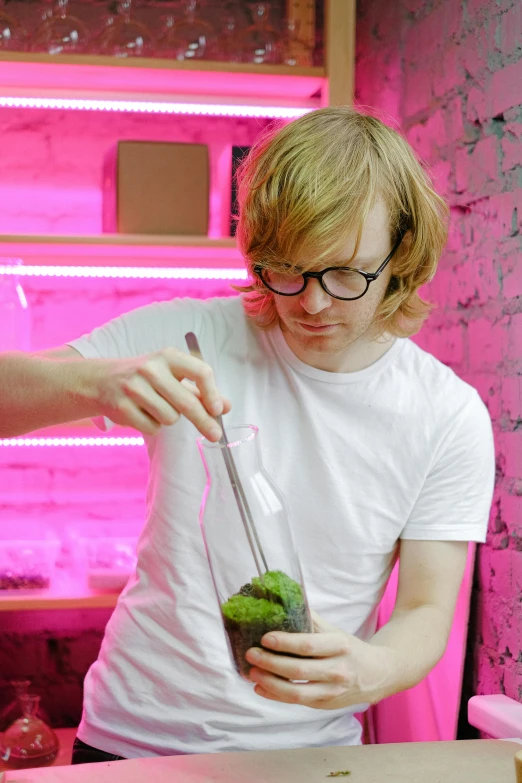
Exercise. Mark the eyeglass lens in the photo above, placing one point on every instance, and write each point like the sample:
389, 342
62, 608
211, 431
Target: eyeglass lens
346, 283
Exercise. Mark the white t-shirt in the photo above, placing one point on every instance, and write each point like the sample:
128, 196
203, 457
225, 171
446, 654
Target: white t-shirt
401, 449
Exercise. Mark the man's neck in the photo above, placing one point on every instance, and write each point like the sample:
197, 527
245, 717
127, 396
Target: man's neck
360, 354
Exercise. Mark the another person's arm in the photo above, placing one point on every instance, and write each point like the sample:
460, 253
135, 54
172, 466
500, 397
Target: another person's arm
144, 392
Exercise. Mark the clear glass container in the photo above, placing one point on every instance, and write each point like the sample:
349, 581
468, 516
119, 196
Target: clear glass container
13, 36
189, 37
124, 36
14, 709
29, 742
60, 32
260, 43
255, 567
295, 51
15, 316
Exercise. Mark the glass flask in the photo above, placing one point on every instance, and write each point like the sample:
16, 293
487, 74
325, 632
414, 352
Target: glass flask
15, 316
60, 32
125, 37
13, 37
252, 556
260, 43
188, 38
14, 708
29, 742
294, 50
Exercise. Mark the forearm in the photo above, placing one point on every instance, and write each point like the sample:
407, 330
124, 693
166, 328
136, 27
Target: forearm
38, 392
416, 639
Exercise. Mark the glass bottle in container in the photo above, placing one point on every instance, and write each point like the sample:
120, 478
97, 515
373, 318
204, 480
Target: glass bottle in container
15, 316
253, 558
14, 709
29, 742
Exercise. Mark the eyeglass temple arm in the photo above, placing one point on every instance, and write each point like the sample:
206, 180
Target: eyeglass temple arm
373, 275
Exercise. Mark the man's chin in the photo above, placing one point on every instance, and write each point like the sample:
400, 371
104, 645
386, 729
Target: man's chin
322, 342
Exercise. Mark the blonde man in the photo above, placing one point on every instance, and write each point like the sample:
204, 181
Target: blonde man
380, 450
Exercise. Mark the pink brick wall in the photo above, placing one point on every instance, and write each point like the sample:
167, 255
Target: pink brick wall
450, 74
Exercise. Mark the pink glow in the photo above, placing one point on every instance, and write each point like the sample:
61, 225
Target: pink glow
154, 107
126, 79
72, 442
127, 272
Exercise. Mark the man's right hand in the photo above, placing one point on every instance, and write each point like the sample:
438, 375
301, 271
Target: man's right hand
153, 390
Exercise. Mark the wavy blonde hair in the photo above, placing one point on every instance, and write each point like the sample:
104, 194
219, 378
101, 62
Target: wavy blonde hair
306, 188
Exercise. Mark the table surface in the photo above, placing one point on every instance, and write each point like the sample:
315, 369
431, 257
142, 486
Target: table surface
472, 761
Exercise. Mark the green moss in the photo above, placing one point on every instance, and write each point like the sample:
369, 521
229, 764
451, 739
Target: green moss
246, 610
273, 603
277, 586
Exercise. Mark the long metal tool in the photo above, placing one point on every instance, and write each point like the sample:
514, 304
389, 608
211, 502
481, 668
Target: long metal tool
237, 488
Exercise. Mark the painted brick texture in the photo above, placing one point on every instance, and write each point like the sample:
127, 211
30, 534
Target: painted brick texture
450, 75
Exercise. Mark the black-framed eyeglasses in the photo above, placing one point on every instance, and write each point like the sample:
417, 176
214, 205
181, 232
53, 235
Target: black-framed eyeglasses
341, 282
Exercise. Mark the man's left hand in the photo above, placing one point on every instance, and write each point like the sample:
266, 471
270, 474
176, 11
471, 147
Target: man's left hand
336, 669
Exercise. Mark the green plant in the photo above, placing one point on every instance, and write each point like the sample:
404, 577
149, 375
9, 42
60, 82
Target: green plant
273, 602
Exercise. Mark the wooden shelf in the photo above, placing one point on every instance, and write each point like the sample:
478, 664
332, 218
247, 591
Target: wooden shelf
57, 599
142, 240
123, 250
147, 79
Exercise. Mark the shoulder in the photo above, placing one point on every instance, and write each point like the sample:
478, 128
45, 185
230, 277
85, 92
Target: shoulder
436, 384
440, 406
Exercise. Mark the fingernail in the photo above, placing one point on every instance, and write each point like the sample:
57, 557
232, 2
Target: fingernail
269, 641
215, 432
217, 408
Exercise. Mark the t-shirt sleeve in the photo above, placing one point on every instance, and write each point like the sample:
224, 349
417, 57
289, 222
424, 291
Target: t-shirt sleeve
455, 499
140, 332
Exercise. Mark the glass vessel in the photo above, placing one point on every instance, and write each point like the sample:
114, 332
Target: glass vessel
15, 316
13, 37
250, 548
14, 709
227, 43
260, 43
188, 38
125, 37
294, 50
60, 32
29, 742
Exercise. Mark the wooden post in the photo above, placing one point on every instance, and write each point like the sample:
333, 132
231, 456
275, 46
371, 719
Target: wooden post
339, 52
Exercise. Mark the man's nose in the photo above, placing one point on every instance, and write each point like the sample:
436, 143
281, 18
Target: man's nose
314, 298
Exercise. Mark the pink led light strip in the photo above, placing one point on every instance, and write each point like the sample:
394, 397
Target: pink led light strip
72, 441
155, 273
154, 107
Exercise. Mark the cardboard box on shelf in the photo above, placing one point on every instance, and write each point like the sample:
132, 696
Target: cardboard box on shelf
156, 188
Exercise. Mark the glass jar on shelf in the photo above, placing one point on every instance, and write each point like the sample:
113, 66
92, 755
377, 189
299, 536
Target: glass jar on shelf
29, 742
14, 709
188, 38
260, 43
123, 36
295, 51
15, 316
13, 36
60, 32
250, 548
